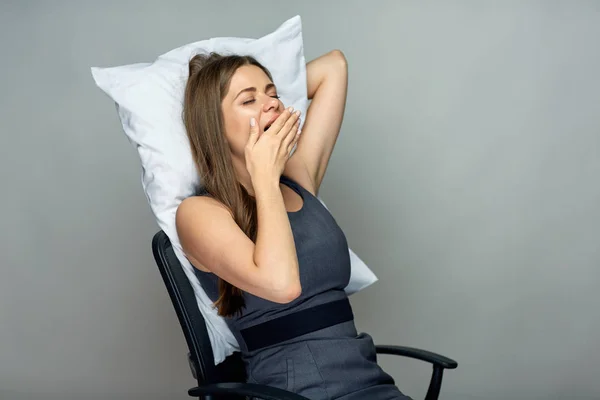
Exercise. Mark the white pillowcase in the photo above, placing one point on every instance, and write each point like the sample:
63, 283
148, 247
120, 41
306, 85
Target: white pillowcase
149, 99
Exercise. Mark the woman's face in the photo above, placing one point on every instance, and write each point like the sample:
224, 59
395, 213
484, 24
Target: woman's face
251, 94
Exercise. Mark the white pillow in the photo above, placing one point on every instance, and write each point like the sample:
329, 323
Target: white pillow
149, 99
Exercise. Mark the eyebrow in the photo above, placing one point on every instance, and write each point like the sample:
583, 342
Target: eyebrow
253, 89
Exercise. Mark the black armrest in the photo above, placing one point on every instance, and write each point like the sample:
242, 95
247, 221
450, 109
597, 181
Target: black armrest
424, 355
439, 363
245, 389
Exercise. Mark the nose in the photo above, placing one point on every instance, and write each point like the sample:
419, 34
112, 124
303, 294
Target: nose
270, 104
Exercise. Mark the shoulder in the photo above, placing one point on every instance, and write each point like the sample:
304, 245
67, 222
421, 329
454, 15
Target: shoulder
196, 220
196, 204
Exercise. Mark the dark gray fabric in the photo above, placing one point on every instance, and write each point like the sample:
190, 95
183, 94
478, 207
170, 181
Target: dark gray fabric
331, 363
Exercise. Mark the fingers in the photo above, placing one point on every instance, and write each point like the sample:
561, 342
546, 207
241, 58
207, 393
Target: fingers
280, 121
292, 144
254, 130
252, 139
289, 124
284, 122
292, 135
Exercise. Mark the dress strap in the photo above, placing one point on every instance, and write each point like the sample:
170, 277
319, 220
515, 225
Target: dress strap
290, 182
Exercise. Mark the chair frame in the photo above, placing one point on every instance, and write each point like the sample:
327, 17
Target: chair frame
227, 380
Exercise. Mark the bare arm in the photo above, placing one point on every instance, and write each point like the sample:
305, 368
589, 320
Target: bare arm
213, 241
275, 246
327, 83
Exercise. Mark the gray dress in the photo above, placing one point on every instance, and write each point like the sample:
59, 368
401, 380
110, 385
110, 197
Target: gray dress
332, 363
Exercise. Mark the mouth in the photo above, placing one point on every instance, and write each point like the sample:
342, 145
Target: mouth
271, 121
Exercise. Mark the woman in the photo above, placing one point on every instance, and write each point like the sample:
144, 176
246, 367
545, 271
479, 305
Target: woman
265, 249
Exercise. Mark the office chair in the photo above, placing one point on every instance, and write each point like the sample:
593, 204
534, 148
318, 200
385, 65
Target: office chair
227, 380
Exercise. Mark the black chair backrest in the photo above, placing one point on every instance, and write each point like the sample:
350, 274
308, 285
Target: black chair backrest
192, 322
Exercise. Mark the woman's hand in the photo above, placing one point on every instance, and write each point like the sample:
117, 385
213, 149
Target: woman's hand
267, 152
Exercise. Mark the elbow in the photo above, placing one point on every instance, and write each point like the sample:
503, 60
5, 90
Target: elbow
287, 294
294, 292
339, 58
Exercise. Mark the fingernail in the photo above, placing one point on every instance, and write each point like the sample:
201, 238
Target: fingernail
299, 131
298, 112
290, 109
252, 122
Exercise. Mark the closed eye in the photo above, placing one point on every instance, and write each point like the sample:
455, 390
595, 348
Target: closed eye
252, 100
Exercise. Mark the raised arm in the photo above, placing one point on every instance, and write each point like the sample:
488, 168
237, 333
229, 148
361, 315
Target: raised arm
327, 83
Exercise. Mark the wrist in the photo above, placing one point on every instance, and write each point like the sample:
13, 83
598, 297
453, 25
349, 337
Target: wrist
265, 184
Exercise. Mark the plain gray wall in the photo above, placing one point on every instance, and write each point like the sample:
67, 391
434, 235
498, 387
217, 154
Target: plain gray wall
466, 176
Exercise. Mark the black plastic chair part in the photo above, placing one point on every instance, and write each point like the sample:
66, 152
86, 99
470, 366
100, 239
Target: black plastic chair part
227, 380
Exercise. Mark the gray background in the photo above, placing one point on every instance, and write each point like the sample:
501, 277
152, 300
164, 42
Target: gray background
466, 176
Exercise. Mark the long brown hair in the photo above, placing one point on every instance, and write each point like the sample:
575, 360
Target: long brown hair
207, 85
